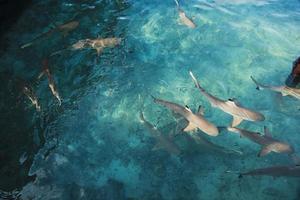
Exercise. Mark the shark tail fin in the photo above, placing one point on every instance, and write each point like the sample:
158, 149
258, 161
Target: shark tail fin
59, 99
26, 45
154, 98
59, 51
256, 83
196, 82
234, 172
142, 117
177, 4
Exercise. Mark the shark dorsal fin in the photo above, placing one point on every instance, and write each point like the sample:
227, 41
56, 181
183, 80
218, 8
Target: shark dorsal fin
258, 133
188, 108
200, 110
234, 101
267, 132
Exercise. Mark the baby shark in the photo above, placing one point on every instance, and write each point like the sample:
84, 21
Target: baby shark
51, 83
28, 91
183, 18
98, 44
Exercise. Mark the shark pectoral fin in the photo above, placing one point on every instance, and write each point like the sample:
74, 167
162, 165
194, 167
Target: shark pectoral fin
236, 121
200, 110
26, 45
267, 132
190, 127
99, 51
156, 147
264, 151
284, 94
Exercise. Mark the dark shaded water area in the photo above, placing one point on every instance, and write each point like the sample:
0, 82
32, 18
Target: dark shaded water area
95, 146
24, 131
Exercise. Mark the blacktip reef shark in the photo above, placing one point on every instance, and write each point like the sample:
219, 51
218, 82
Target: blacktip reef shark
63, 28
268, 143
230, 106
284, 90
183, 18
51, 83
195, 120
208, 145
275, 171
99, 44
163, 142
28, 91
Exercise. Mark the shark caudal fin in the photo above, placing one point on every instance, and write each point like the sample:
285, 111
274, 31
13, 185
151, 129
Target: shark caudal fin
258, 85
154, 98
142, 117
234, 172
196, 82
177, 4
59, 99
26, 45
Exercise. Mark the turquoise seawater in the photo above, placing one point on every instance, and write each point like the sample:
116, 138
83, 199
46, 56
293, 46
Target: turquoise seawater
94, 145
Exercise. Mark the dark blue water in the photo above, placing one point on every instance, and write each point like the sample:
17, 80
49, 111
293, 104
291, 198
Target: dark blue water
94, 146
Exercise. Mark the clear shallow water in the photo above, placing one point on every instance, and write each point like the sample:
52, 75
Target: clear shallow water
95, 147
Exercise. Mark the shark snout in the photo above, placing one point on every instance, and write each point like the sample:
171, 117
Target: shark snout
283, 148
260, 117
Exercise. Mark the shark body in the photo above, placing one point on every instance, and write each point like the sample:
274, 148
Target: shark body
230, 106
195, 120
163, 142
284, 90
275, 171
268, 143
